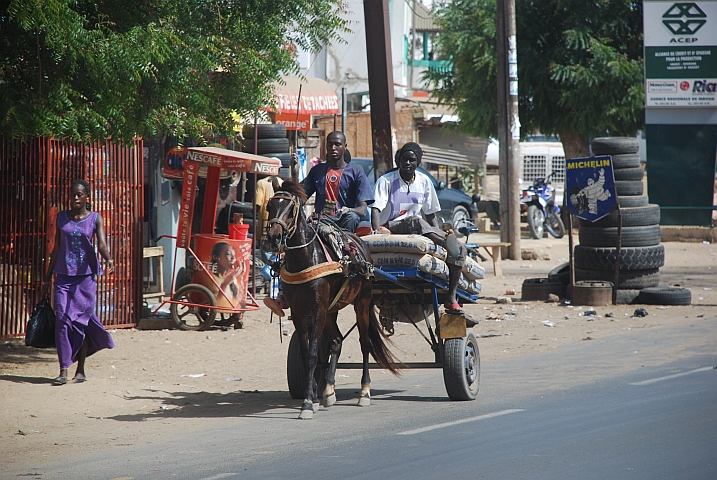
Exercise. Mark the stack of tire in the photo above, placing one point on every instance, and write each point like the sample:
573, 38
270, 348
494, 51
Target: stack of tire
272, 142
641, 254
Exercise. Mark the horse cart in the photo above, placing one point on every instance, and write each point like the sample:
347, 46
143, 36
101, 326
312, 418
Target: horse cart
221, 263
407, 294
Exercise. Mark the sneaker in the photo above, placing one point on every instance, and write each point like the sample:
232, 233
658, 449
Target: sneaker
276, 305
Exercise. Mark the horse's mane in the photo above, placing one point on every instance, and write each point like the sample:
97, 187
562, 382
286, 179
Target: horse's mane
294, 188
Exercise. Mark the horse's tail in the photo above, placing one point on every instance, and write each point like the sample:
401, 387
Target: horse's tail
379, 348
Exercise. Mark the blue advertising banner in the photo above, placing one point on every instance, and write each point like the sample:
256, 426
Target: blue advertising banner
590, 185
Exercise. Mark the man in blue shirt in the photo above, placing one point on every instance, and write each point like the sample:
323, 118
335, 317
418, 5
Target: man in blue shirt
342, 192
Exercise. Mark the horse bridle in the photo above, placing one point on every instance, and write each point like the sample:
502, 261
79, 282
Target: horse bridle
289, 229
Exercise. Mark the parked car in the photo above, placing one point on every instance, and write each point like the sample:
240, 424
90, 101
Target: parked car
457, 206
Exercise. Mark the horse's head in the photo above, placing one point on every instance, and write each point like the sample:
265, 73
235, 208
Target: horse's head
284, 210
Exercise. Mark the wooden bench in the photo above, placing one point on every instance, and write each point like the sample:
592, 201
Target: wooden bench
493, 250
155, 252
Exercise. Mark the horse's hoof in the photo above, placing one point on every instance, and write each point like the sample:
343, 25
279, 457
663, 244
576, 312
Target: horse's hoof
364, 401
329, 399
306, 415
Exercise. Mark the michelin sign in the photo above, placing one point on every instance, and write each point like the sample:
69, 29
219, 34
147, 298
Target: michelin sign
590, 186
680, 53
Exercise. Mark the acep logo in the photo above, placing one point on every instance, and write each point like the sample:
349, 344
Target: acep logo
684, 19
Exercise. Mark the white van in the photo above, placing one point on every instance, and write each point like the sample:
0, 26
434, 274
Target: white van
539, 157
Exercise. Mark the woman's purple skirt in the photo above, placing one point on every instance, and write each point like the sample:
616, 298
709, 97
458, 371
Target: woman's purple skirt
75, 310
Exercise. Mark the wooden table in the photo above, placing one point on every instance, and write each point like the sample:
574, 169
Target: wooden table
493, 250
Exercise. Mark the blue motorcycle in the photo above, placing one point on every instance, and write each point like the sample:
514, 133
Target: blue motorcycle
538, 203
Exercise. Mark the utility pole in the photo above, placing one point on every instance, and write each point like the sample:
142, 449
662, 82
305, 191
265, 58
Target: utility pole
380, 84
508, 127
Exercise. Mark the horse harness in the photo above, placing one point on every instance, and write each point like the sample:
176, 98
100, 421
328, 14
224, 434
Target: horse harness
351, 263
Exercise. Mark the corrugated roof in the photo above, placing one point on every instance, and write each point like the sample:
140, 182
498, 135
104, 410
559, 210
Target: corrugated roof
423, 18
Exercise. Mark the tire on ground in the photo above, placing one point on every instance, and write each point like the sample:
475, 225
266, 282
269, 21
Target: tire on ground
633, 201
629, 187
561, 274
631, 217
628, 279
614, 145
626, 297
644, 236
625, 161
540, 288
634, 258
665, 296
629, 174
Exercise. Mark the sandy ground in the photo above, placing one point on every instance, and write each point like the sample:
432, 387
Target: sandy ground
132, 390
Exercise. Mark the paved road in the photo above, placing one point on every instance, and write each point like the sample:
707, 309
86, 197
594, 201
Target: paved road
593, 410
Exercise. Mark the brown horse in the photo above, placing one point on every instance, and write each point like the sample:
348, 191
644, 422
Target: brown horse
311, 290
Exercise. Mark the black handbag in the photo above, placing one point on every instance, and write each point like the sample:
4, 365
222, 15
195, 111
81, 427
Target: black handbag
41, 327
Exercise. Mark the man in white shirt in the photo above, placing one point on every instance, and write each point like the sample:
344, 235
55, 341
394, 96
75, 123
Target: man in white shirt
399, 198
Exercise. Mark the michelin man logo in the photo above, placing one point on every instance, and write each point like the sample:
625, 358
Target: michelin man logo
587, 197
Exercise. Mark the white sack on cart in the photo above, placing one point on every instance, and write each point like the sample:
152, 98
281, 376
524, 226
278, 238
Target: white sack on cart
416, 244
472, 270
472, 286
425, 263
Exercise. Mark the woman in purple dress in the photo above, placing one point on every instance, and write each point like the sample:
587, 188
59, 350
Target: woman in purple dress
78, 331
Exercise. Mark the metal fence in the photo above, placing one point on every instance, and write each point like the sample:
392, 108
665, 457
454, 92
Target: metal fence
35, 180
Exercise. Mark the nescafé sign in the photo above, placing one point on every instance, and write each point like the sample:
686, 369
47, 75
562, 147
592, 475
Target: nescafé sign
590, 186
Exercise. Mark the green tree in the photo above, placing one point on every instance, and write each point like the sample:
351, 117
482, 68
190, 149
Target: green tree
92, 69
580, 70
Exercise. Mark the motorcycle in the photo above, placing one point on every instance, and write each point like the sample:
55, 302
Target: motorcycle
538, 203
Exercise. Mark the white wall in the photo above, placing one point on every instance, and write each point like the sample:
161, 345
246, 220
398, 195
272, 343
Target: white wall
344, 64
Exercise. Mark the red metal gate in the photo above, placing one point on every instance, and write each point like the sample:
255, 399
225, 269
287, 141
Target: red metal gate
35, 180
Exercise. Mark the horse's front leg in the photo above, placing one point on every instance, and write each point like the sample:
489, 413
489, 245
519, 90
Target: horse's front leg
311, 403
333, 336
361, 305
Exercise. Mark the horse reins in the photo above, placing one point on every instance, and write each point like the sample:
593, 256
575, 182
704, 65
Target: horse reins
289, 231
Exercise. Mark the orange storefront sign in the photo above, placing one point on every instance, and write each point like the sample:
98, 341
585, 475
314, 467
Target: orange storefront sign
292, 122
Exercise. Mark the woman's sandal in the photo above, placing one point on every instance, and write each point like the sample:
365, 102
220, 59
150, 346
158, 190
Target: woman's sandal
59, 381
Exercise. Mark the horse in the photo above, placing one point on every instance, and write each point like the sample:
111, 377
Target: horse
316, 286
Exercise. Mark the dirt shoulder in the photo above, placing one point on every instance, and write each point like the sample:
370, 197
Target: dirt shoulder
137, 392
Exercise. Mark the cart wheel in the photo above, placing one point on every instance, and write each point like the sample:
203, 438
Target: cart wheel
193, 318
296, 369
461, 367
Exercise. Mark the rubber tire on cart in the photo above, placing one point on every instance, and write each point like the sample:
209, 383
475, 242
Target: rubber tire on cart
614, 145
665, 296
461, 367
296, 368
204, 316
536, 217
461, 218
